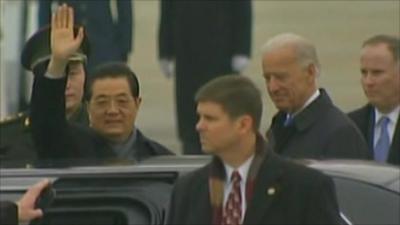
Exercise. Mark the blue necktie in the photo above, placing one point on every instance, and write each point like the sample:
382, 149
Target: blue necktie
382, 146
288, 121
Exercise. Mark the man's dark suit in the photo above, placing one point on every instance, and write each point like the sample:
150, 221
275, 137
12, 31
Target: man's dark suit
364, 118
302, 196
320, 131
55, 138
8, 213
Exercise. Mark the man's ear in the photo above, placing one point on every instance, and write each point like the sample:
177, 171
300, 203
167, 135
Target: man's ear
245, 123
138, 101
313, 70
87, 104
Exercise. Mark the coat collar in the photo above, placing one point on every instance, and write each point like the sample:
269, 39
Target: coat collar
266, 189
312, 112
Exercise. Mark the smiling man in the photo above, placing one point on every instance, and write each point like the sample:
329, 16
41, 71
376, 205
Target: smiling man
380, 79
246, 182
113, 103
308, 124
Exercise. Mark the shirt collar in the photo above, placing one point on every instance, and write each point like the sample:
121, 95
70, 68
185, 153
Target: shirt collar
393, 115
242, 169
308, 102
123, 149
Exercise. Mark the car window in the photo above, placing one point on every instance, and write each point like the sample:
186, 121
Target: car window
363, 203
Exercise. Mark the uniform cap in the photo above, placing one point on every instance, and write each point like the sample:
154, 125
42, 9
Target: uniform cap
37, 48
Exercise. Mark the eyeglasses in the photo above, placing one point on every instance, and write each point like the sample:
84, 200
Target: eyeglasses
119, 102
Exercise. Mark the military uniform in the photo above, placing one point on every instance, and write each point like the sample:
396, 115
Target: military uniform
17, 148
16, 145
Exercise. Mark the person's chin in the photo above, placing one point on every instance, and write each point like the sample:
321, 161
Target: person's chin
113, 132
206, 149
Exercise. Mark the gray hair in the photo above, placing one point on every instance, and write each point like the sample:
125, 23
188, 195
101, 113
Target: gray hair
306, 53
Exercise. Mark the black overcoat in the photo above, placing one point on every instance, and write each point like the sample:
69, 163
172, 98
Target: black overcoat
319, 131
57, 139
301, 196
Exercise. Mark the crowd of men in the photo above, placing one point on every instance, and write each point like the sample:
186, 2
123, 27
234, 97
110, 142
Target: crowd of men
231, 188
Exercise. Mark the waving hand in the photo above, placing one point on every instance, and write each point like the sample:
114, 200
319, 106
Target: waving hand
63, 42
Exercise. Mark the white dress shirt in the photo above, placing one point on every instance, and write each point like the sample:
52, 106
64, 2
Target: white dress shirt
393, 117
307, 103
243, 170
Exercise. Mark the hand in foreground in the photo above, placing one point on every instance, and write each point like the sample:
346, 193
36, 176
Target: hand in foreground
26, 205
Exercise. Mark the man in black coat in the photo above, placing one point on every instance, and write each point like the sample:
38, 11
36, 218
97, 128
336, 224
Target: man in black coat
24, 210
380, 79
113, 103
110, 32
308, 124
202, 40
269, 190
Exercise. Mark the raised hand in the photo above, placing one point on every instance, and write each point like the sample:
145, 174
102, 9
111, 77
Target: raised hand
63, 41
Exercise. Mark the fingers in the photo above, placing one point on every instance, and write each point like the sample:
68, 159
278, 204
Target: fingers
79, 37
36, 189
63, 17
37, 213
70, 17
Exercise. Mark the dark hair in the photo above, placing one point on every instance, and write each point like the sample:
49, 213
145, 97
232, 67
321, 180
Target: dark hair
392, 42
236, 94
113, 70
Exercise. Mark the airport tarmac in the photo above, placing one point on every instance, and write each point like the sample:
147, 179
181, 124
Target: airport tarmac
336, 27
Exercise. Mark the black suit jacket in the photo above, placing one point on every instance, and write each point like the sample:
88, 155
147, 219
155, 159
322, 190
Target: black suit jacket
302, 196
364, 118
8, 213
57, 139
320, 131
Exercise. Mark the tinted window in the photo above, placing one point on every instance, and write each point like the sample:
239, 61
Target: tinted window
366, 204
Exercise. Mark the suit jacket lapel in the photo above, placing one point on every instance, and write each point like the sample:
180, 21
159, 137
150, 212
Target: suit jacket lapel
370, 123
265, 190
394, 153
201, 202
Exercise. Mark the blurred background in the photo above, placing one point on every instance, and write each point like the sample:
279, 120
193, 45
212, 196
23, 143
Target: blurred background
336, 27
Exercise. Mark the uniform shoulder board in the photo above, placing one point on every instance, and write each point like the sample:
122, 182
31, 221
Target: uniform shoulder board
15, 118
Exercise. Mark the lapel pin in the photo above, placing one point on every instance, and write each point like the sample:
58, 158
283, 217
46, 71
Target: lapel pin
271, 191
27, 122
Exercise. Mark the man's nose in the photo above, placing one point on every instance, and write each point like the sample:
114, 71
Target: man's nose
367, 78
199, 124
272, 84
112, 108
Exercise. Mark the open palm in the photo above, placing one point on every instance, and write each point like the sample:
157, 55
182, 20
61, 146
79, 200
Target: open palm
63, 41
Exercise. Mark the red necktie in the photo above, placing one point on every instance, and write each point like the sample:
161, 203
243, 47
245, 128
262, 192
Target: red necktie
232, 214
